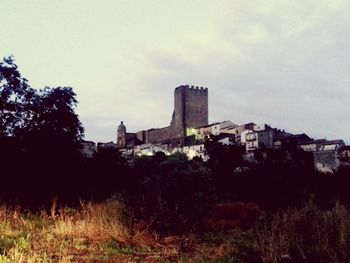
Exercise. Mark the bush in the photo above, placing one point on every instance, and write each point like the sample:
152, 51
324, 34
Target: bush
228, 216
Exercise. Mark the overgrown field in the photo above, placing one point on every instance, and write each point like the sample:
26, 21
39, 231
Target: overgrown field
106, 232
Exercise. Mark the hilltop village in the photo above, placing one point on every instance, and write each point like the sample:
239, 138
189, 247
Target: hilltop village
189, 129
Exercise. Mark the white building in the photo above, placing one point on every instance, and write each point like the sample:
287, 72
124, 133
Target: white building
195, 151
213, 129
149, 149
259, 139
238, 130
326, 154
322, 145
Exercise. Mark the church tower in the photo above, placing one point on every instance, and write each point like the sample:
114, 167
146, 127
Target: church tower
121, 135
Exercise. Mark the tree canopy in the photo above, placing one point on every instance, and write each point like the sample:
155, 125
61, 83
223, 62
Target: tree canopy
40, 136
24, 111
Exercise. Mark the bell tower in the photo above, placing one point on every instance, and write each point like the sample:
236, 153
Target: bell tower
121, 135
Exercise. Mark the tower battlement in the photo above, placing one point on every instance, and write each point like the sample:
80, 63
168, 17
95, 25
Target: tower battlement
192, 88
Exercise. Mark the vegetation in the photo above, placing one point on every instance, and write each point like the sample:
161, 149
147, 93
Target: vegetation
61, 207
309, 234
105, 232
95, 231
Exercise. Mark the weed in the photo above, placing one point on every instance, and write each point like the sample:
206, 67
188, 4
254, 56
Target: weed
6, 244
112, 247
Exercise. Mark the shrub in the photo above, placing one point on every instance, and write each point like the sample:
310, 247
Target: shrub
228, 216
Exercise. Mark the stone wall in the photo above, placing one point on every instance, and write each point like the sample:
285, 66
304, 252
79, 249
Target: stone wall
157, 135
141, 135
196, 107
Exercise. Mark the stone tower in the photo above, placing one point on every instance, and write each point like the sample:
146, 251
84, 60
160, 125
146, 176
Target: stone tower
190, 110
121, 135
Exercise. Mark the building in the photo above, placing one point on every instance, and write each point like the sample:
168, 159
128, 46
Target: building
289, 142
322, 145
189, 128
259, 139
150, 149
88, 149
327, 154
212, 129
125, 139
190, 112
106, 145
197, 150
238, 130
254, 136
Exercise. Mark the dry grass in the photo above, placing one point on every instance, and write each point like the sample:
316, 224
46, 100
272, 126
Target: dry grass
103, 233
309, 234
93, 221
95, 231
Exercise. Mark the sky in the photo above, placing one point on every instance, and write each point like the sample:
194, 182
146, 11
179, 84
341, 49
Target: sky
281, 62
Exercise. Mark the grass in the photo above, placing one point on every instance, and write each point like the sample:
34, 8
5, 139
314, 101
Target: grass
309, 234
103, 233
68, 235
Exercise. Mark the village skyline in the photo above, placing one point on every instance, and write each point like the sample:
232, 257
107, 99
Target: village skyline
281, 63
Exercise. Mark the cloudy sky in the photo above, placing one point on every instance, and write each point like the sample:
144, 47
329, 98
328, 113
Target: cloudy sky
281, 62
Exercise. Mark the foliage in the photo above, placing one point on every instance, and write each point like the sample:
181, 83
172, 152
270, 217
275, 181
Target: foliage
223, 156
223, 161
39, 130
53, 114
47, 112
14, 95
168, 192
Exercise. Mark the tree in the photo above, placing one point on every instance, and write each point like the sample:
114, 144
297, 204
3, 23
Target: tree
40, 136
24, 110
53, 115
14, 94
223, 160
223, 156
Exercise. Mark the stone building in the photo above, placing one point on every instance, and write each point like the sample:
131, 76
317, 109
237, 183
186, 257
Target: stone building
121, 135
126, 139
190, 112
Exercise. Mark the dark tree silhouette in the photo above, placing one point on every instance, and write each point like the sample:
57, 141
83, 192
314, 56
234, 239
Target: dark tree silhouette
40, 136
46, 112
14, 95
54, 114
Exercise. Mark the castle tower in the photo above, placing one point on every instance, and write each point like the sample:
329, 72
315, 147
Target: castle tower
121, 135
190, 110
